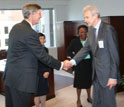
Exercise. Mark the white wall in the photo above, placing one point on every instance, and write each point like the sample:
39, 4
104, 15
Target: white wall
60, 6
70, 9
106, 8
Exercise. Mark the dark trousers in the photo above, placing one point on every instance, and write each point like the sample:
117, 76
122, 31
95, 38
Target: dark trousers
103, 96
16, 98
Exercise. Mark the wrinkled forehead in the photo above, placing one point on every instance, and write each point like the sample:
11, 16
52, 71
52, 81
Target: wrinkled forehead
87, 14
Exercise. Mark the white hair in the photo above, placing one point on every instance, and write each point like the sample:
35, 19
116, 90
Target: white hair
92, 9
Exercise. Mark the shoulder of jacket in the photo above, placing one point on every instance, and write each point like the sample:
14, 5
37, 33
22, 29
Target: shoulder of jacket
107, 25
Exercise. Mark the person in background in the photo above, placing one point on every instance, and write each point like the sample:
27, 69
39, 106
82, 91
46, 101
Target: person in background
83, 71
103, 43
43, 73
24, 51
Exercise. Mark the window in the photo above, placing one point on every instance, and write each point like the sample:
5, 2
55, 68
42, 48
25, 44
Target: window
11, 17
6, 30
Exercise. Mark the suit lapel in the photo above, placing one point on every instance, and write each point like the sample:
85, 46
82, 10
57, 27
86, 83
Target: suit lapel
99, 37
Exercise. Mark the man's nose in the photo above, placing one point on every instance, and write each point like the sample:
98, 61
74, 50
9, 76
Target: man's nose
85, 20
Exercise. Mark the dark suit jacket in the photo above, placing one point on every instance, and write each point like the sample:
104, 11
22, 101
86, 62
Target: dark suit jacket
105, 60
22, 60
74, 47
42, 68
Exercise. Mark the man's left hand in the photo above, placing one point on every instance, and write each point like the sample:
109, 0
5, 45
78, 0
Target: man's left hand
111, 83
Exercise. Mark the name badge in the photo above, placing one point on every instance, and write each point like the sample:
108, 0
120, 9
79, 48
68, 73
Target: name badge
101, 44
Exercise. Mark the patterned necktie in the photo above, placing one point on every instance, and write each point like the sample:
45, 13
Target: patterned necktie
94, 36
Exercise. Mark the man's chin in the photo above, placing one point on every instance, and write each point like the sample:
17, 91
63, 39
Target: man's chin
88, 25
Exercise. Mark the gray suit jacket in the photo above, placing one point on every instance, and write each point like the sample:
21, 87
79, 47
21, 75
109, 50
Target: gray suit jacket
22, 61
106, 59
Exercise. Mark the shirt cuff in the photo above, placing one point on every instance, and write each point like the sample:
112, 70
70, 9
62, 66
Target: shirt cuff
61, 66
113, 79
73, 62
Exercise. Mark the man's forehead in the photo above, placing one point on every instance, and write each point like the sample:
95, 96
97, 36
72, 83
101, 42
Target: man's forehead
39, 10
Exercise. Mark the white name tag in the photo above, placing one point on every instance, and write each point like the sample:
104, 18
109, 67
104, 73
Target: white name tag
101, 44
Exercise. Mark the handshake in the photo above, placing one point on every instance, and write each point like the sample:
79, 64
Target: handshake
67, 65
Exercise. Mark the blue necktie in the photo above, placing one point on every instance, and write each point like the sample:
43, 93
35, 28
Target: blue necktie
94, 31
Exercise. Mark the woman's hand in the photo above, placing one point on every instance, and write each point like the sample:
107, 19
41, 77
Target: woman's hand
46, 74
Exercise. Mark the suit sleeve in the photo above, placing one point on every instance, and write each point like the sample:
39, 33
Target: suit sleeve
82, 52
38, 50
114, 52
70, 50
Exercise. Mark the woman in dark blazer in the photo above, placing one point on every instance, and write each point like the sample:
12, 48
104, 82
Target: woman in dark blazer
83, 71
43, 73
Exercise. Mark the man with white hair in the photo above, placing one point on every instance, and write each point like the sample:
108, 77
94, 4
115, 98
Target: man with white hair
102, 42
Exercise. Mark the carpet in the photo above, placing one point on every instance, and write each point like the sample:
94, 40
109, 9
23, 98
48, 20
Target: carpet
62, 81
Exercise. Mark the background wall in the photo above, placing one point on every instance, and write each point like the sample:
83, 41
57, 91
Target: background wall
106, 8
70, 9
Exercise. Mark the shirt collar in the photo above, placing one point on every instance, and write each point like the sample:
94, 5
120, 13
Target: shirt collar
98, 25
29, 23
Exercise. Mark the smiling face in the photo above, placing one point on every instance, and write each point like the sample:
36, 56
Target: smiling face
35, 17
89, 18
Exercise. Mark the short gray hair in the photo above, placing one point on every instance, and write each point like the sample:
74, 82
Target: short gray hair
92, 9
30, 8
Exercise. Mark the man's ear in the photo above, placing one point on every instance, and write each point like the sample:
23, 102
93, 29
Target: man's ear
96, 15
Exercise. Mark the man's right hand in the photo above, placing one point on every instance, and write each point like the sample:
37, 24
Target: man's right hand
66, 65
